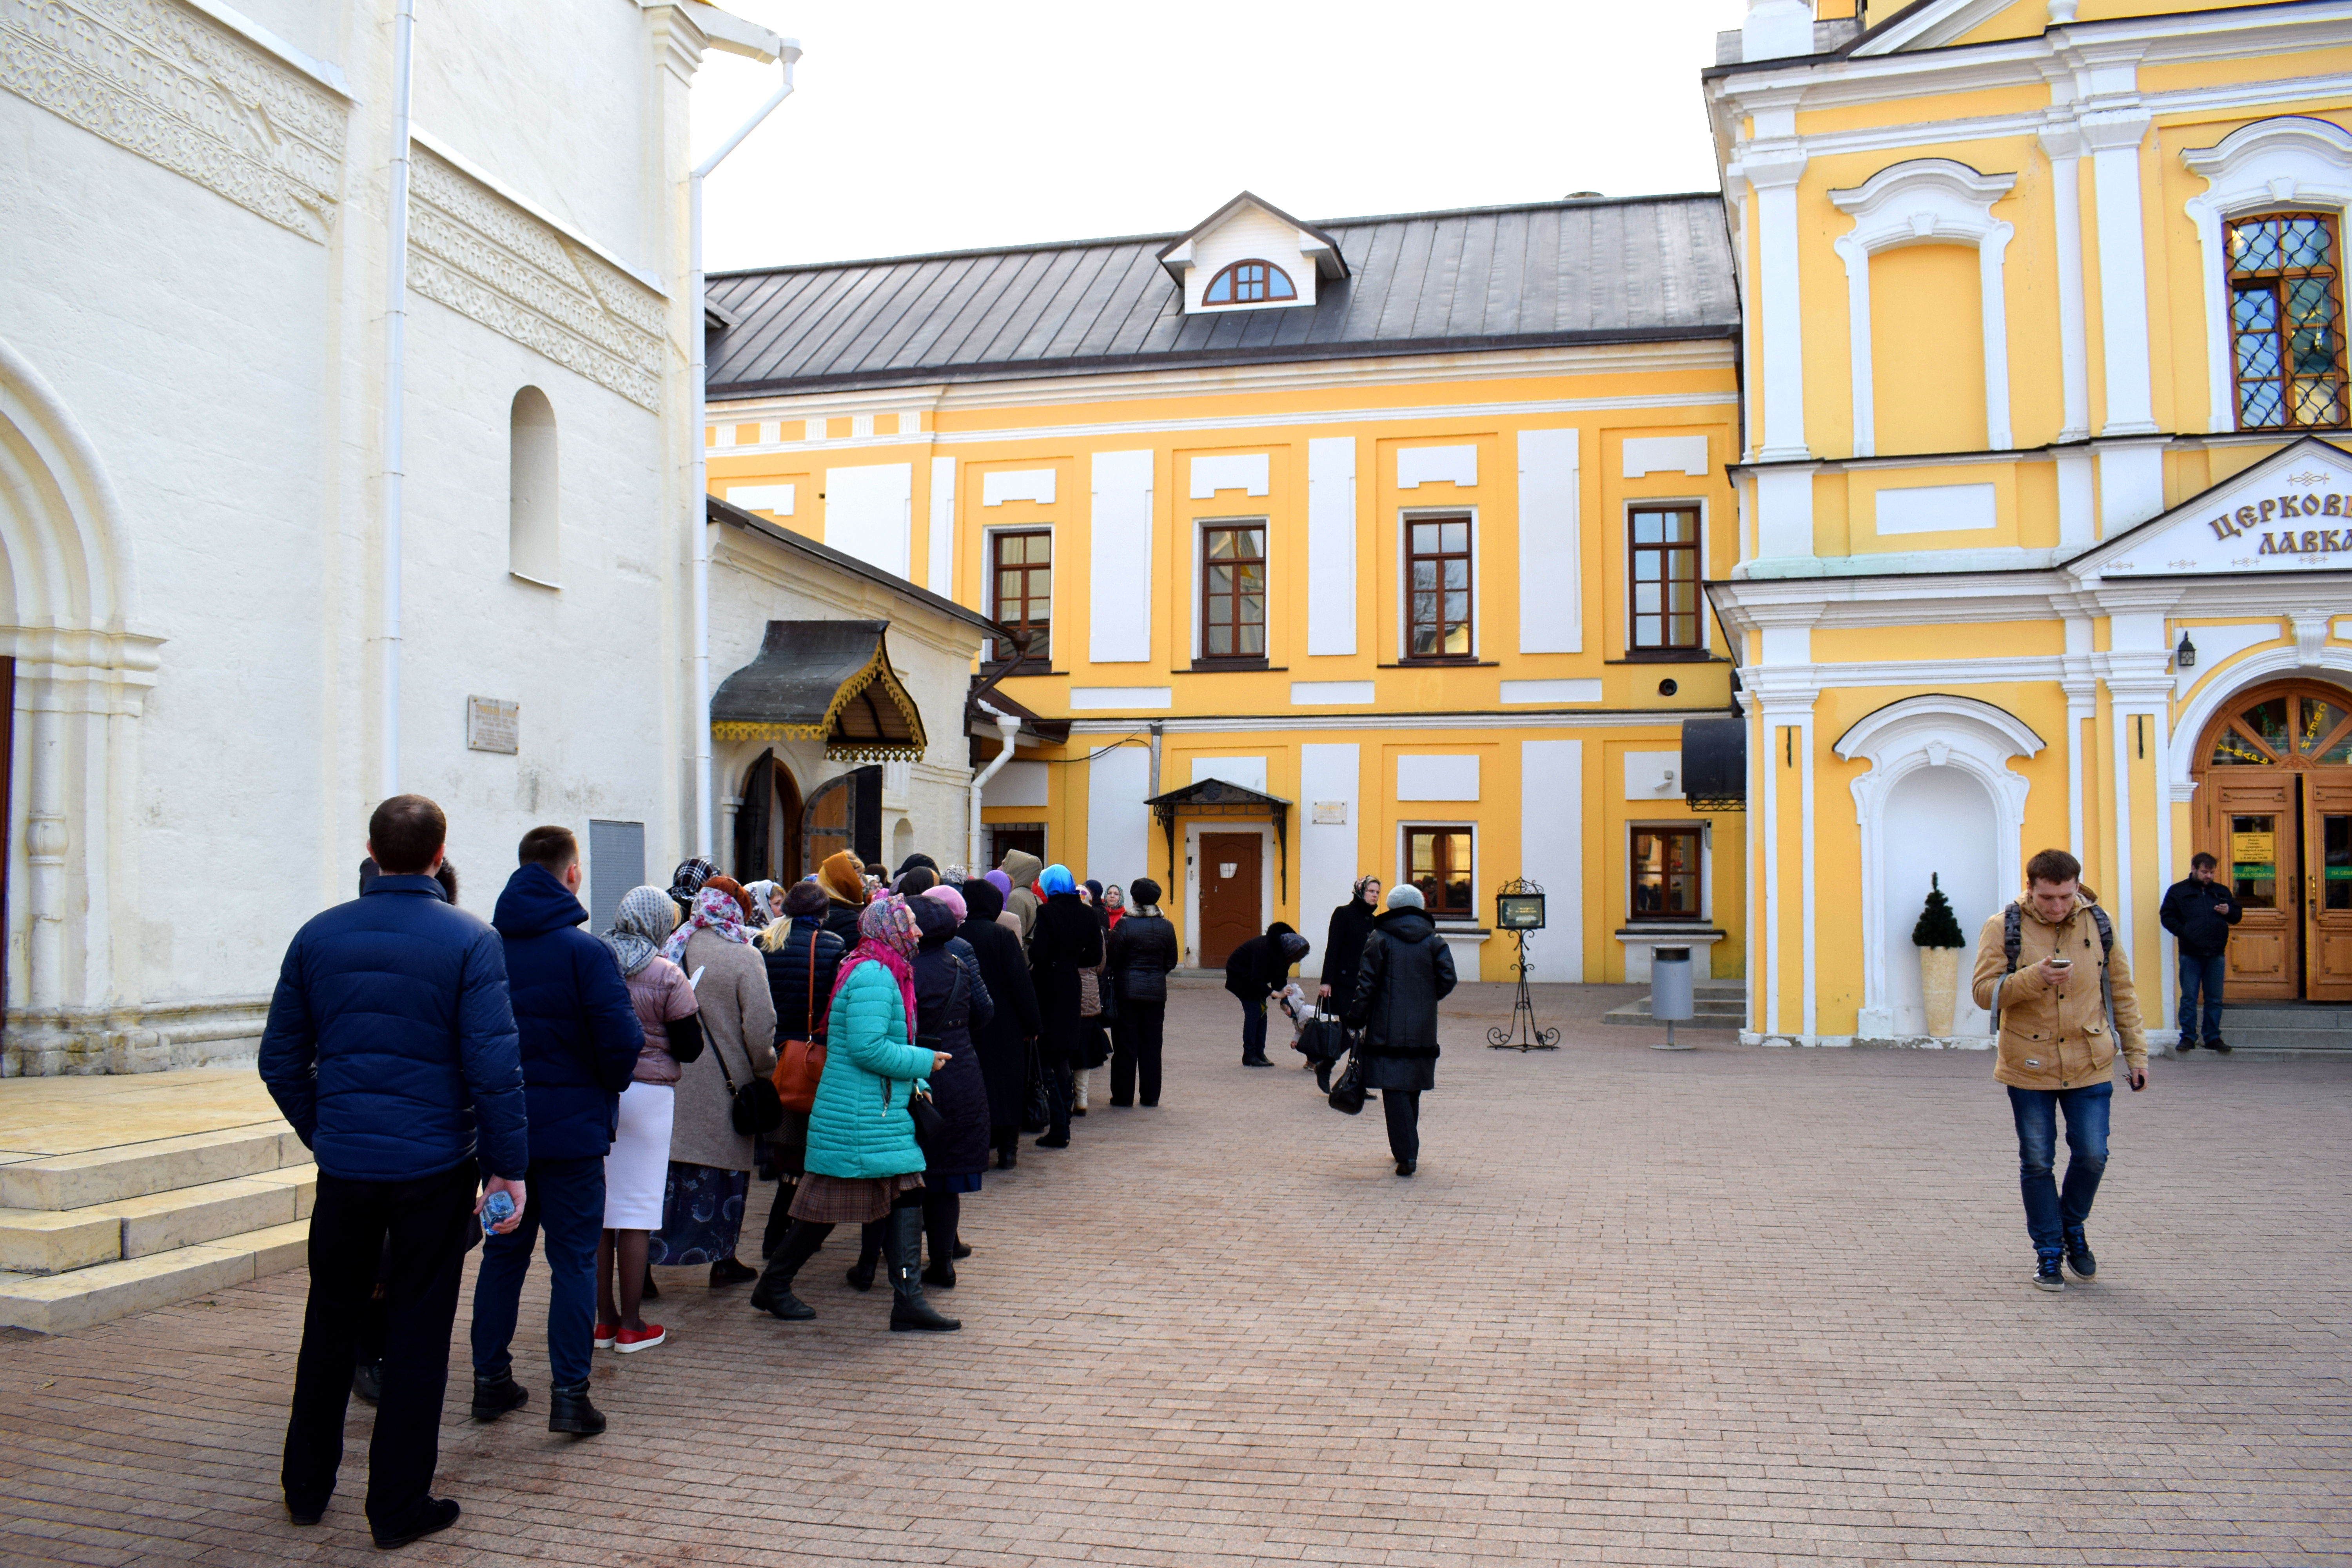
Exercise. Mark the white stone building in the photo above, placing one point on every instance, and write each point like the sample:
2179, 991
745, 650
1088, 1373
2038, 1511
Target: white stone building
195, 244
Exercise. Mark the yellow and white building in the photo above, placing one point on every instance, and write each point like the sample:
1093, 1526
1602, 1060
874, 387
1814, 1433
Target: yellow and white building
2000, 398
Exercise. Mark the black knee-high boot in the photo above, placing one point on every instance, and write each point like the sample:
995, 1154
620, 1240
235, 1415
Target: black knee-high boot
869, 1254
941, 1212
774, 1293
902, 1245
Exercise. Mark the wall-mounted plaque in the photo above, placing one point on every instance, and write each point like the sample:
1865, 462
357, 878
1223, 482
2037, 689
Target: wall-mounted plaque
1331, 812
492, 725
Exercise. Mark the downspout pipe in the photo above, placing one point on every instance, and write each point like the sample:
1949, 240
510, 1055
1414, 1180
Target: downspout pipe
698, 520
396, 376
1008, 726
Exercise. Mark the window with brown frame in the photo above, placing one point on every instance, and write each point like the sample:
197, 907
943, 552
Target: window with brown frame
1249, 283
2286, 321
1020, 585
1437, 861
1662, 571
1665, 863
1437, 572
1233, 591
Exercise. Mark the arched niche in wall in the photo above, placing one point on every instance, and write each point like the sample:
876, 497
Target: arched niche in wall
2291, 164
1926, 201
534, 549
1940, 762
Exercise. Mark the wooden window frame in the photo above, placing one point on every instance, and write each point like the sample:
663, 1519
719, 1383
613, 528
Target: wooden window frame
1468, 555
1204, 595
1634, 555
2277, 282
1696, 833
1233, 269
1041, 658
1469, 830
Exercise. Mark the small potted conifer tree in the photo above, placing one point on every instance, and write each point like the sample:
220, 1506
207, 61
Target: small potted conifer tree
1939, 941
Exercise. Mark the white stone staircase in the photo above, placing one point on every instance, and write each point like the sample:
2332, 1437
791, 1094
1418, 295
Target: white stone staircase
101, 1232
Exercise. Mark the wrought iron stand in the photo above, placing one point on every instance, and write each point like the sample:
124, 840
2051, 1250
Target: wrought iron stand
1521, 1033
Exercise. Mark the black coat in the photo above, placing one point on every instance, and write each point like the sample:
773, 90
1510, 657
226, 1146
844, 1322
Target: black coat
1343, 947
841, 920
1004, 1039
949, 999
1067, 937
1407, 969
1143, 950
791, 973
1261, 966
2188, 913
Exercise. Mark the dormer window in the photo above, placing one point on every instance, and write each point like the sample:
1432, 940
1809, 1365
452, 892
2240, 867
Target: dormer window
1249, 283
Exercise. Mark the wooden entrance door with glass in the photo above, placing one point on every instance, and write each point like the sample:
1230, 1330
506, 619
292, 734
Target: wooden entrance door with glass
2275, 808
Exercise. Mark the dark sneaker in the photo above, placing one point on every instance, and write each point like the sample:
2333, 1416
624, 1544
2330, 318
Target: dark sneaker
2184, 1047
2217, 1047
570, 1410
367, 1382
494, 1396
432, 1514
2046, 1275
2078, 1254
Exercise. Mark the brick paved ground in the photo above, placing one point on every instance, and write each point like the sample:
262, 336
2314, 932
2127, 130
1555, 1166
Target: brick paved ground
1730, 1307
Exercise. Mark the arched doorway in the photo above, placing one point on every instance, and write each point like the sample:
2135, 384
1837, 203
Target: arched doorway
2274, 806
768, 823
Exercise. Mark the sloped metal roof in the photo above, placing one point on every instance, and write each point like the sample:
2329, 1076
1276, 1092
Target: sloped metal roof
1656, 267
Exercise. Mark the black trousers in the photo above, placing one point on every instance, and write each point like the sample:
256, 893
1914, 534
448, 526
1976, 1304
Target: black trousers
414, 1233
1136, 1052
1401, 1107
1060, 1092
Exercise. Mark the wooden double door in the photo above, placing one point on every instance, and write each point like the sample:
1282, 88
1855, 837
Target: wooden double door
2276, 810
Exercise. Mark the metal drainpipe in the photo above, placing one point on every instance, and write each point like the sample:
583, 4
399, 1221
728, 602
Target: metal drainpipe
699, 518
1007, 728
395, 346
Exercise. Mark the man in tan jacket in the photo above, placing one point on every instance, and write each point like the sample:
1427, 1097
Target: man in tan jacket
2048, 967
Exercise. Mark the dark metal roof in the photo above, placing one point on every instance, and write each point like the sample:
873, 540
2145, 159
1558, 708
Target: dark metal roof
1652, 268
822, 680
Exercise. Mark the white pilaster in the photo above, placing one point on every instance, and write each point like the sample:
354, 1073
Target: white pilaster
1773, 164
2113, 124
2063, 142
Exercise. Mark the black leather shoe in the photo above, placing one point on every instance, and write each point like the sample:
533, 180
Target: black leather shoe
2184, 1047
959, 1249
726, 1271
568, 1410
1407, 1167
783, 1304
861, 1273
494, 1396
941, 1275
367, 1382
306, 1516
651, 1291
431, 1515
2217, 1047
2078, 1254
1052, 1142
1259, 1061
1077, 1110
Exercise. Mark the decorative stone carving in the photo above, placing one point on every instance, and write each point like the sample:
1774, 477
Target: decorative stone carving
181, 91
487, 259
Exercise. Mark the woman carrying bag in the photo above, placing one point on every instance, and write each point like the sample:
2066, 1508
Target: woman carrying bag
635, 1170
863, 1161
802, 955
1406, 971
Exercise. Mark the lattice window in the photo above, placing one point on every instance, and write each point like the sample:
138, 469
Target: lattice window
2286, 321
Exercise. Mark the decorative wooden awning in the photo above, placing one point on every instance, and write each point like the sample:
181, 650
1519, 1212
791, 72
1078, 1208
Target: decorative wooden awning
822, 680
1220, 797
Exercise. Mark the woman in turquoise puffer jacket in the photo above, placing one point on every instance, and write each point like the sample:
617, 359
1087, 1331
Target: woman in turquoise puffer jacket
863, 1161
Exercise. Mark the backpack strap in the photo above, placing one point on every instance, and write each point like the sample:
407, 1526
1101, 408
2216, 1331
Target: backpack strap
2012, 937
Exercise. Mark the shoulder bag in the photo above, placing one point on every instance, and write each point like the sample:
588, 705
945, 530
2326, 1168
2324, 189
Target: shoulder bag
1348, 1094
753, 1108
800, 1066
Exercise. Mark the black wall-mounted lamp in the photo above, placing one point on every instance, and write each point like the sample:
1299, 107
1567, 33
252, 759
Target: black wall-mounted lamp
2185, 656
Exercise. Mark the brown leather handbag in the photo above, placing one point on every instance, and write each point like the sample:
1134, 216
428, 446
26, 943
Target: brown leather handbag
800, 1064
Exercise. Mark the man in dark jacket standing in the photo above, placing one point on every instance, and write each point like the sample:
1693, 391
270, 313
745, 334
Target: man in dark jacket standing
1257, 969
580, 1042
390, 1047
2199, 911
1143, 950
1406, 971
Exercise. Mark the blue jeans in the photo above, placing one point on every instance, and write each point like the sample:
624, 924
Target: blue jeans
2201, 974
2050, 1212
1253, 1029
565, 1200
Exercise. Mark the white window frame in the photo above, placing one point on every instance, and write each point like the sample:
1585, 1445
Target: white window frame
1406, 517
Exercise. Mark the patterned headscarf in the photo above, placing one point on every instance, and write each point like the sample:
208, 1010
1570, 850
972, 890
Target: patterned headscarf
763, 902
953, 899
640, 926
688, 879
888, 935
1057, 879
715, 909
1356, 895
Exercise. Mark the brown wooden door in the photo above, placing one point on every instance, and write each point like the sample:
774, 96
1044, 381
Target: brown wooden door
1230, 914
2251, 823
2328, 886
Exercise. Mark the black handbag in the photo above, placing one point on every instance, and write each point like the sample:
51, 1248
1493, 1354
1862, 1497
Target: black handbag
930, 1126
754, 1107
1036, 1105
1323, 1039
1348, 1094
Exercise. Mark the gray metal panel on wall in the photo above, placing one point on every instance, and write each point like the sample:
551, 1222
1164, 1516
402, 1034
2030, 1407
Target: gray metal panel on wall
616, 862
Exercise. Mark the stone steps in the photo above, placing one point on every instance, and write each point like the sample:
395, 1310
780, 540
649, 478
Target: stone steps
90, 1235
2258, 1033
1714, 1005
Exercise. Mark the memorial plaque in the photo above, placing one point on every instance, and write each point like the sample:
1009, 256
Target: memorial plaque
492, 725
1331, 812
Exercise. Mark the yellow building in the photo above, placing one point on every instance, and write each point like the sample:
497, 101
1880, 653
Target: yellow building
2041, 480
1999, 401
1362, 547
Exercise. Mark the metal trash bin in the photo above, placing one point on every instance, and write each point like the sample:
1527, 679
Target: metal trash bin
1670, 993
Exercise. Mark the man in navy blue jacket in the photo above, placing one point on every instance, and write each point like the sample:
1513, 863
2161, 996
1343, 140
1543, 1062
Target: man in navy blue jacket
580, 1038
391, 1049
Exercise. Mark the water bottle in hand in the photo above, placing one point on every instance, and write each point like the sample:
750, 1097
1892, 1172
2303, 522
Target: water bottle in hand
496, 1211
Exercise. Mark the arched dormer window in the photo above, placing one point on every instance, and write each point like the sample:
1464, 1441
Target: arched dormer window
1249, 283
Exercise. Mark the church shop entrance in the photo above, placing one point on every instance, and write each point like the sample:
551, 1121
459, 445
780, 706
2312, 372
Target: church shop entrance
2276, 808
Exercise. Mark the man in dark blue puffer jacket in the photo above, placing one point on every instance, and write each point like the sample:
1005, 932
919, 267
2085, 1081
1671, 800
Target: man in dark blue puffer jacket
390, 1047
580, 1038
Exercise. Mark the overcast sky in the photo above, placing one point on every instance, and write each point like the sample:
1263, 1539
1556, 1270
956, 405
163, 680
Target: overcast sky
922, 125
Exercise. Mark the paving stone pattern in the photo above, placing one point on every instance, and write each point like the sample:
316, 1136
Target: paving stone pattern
1733, 1306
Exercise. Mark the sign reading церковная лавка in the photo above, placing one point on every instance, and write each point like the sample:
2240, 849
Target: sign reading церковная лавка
2293, 514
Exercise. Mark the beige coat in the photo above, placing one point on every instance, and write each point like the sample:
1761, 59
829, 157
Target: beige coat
2057, 1037
739, 1026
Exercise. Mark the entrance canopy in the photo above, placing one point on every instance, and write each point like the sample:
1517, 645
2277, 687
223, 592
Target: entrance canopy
822, 680
1218, 797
